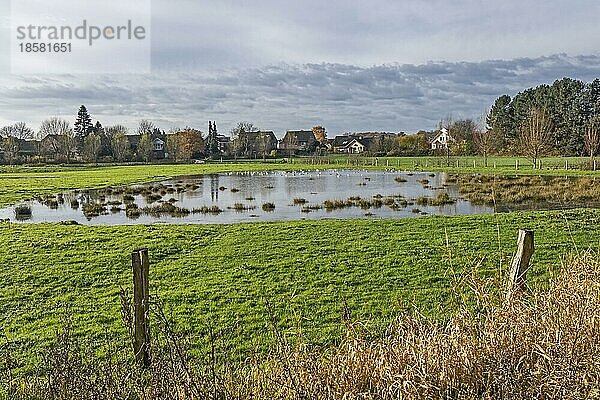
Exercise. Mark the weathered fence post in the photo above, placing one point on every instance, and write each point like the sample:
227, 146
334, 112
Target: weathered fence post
141, 306
520, 264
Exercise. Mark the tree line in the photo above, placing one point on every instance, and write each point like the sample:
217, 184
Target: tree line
559, 119
57, 140
562, 119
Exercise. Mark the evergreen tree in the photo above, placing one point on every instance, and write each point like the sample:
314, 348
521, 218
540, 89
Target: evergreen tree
500, 120
569, 104
83, 124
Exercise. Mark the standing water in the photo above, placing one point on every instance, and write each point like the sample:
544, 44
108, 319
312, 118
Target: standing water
257, 196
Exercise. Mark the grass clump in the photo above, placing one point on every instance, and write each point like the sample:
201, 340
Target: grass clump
132, 211
312, 207
214, 210
23, 212
440, 199
166, 209
91, 210
241, 207
268, 207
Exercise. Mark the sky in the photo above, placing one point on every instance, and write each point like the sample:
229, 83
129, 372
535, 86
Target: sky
381, 65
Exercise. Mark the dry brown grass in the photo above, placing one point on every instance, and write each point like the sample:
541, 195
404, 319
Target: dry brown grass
544, 345
524, 190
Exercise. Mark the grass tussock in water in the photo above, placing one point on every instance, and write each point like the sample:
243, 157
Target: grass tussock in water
214, 210
268, 207
241, 207
165, 209
94, 209
23, 210
440, 199
543, 344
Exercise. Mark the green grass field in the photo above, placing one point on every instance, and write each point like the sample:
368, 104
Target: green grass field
222, 276
21, 183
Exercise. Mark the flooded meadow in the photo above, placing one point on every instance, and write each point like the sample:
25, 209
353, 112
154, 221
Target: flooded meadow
258, 196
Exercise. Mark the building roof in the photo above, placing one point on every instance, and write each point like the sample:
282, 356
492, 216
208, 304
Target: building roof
345, 141
302, 136
27, 146
342, 141
134, 140
442, 133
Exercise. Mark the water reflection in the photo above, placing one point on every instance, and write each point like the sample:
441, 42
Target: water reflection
242, 197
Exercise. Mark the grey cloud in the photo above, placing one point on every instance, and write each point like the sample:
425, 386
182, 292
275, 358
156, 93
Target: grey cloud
393, 97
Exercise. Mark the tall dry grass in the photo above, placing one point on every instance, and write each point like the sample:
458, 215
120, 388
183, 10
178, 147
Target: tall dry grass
524, 190
544, 345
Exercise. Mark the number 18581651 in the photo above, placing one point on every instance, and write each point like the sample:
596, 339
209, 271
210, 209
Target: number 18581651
45, 47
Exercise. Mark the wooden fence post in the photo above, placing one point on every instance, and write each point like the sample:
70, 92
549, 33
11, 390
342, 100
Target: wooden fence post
141, 307
520, 264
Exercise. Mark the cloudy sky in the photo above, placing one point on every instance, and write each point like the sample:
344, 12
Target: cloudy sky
348, 65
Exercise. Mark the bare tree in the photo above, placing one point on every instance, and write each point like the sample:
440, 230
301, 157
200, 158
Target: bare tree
53, 126
485, 139
120, 146
243, 137
11, 136
62, 140
20, 130
591, 139
535, 134
10, 148
110, 132
113, 130
146, 127
68, 145
91, 147
485, 143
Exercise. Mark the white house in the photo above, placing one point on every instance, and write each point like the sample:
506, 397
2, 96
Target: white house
356, 147
158, 144
442, 140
